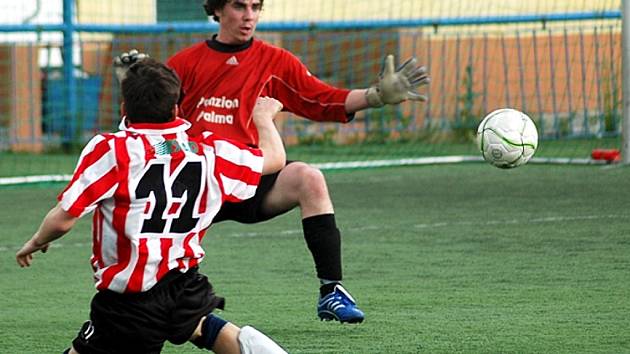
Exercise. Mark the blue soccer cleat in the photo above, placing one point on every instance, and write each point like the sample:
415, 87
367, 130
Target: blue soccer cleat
340, 306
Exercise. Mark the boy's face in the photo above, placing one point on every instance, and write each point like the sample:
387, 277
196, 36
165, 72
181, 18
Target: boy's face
237, 21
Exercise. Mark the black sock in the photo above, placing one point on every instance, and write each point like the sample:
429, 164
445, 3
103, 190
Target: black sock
324, 241
328, 288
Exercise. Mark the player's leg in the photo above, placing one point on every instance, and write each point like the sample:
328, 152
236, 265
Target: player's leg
193, 300
222, 337
299, 184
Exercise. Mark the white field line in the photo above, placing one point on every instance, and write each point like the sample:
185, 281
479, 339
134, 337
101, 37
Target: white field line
348, 165
34, 179
297, 232
550, 219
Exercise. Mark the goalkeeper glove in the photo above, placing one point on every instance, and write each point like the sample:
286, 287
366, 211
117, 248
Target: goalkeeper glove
395, 86
124, 61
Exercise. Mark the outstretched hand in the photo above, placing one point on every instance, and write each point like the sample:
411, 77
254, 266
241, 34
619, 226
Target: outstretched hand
24, 256
125, 60
398, 85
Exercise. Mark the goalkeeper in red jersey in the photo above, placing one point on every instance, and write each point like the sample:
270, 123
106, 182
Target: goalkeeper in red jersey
221, 80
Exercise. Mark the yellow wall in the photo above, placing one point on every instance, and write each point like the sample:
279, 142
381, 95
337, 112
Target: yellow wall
116, 11
144, 11
318, 10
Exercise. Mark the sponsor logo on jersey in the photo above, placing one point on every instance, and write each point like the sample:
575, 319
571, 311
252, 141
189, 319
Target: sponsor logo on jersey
212, 117
169, 147
217, 102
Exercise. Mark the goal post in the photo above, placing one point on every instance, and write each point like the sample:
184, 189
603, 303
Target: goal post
625, 144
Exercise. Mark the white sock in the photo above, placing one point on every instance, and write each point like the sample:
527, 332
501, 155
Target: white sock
252, 341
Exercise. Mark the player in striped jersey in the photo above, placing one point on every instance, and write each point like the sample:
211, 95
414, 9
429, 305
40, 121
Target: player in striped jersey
221, 79
154, 191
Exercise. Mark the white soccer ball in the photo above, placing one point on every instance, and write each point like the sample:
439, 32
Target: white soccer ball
507, 138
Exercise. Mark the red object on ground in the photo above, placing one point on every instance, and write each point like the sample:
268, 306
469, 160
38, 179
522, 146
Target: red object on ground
606, 154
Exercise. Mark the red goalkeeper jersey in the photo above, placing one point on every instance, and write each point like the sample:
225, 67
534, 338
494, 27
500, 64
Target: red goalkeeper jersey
220, 85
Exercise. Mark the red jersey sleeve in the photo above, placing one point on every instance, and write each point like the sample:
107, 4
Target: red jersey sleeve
304, 94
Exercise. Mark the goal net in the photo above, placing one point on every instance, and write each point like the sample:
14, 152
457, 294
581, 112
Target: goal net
557, 61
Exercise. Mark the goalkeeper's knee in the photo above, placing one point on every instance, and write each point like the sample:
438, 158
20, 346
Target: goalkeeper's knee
251, 341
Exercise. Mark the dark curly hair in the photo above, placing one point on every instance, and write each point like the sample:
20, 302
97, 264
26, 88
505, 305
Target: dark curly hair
150, 90
212, 5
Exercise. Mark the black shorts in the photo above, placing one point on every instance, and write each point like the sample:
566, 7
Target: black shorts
142, 322
250, 211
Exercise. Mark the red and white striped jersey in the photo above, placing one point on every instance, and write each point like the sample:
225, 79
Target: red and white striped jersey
154, 191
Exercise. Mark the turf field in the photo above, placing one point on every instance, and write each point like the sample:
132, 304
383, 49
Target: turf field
443, 259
